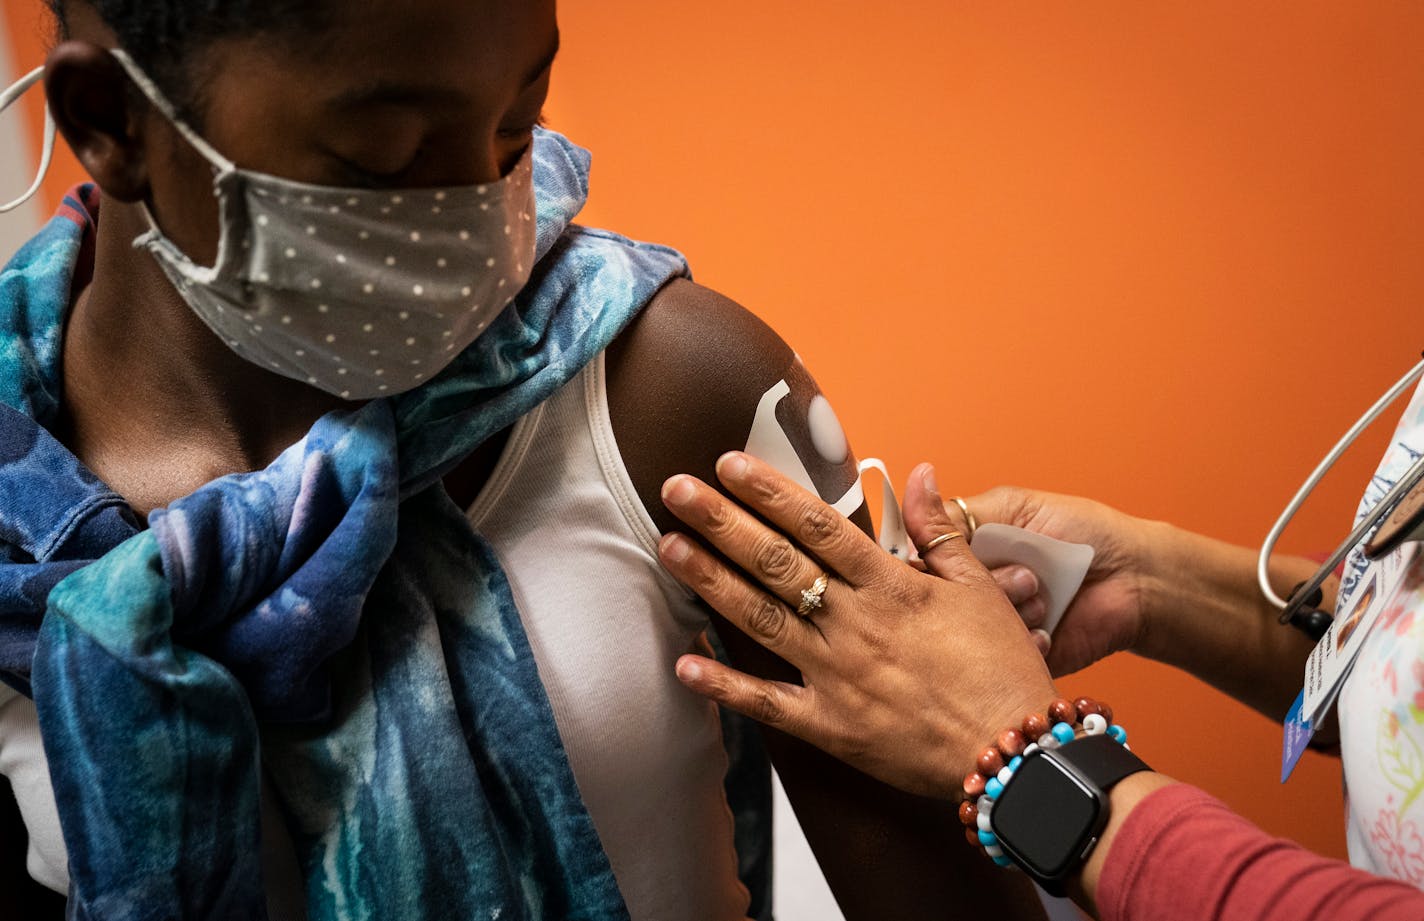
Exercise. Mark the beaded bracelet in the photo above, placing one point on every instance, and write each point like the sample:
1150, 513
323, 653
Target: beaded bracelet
997, 763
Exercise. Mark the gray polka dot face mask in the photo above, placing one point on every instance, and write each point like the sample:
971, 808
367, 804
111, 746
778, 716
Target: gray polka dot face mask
360, 292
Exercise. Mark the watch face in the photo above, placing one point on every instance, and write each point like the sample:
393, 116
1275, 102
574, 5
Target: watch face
1045, 817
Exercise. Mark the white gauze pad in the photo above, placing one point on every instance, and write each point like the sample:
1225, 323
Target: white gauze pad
1059, 565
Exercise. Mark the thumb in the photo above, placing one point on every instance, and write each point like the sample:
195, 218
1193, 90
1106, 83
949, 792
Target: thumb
927, 521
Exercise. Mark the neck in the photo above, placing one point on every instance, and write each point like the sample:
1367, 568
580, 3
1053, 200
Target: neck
145, 379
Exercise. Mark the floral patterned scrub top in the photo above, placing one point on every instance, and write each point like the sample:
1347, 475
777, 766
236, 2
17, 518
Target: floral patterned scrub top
1382, 702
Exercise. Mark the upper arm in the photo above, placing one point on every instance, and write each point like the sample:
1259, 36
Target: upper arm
685, 385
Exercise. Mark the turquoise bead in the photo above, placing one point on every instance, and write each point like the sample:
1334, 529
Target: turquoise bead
1118, 734
987, 838
1062, 732
1015, 762
1001, 861
993, 788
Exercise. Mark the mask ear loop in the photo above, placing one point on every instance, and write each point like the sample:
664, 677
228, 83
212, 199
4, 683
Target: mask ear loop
7, 99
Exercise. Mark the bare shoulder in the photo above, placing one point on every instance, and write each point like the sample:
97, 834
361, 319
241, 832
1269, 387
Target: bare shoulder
684, 383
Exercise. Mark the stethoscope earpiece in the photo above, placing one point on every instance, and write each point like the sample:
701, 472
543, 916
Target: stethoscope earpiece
1308, 618
7, 99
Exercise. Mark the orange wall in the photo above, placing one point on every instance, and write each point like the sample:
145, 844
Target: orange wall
1155, 253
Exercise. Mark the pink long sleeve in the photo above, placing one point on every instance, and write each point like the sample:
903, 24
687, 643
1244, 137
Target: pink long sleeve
1184, 856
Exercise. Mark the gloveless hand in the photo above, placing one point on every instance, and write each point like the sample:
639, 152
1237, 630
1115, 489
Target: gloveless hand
908, 675
1109, 612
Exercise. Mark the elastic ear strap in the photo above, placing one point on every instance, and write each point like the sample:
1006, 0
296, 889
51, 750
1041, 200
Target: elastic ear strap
7, 99
893, 536
161, 103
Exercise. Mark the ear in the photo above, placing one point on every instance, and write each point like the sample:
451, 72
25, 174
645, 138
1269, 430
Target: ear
89, 96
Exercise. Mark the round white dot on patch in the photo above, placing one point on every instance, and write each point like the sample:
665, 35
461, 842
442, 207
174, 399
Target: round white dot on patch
380, 372
827, 435
418, 290
390, 260
450, 347
435, 209
367, 327
484, 206
441, 262
382, 387
420, 377
257, 328
464, 235
341, 258
306, 199
340, 370
353, 201
311, 380
311, 231
345, 394
365, 235
410, 340
489, 263
480, 190
334, 209
508, 230
290, 253
262, 220
322, 308
396, 199
404, 315
501, 282
330, 337
286, 319
316, 282
447, 334
300, 353
368, 287
385, 209
465, 291
374, 352
415, 236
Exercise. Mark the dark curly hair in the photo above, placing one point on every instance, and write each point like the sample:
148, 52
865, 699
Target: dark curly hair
164, 36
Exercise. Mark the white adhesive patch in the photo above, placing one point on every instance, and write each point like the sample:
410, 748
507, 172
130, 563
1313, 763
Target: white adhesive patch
826, 432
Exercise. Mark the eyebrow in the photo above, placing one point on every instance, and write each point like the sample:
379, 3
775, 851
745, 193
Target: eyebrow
411, 94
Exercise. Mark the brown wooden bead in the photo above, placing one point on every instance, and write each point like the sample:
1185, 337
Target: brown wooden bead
990, 762
968, 813
972, 836
1106, 711
1011, 743
1086, 706
974, 784
1063, 711
1035, 725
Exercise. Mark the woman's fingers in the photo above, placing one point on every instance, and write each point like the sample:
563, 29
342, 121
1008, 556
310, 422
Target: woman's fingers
764, 618
931, 527
782, 706
762, 553
833, 538
1021, 586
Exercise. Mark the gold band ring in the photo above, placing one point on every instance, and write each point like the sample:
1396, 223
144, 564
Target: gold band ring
969, 520
942, 539
811, 600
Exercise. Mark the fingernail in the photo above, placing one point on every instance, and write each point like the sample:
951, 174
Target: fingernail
688, 669
678, 490
732, 465
929, 479
1025, 583
1042, 640
675, 548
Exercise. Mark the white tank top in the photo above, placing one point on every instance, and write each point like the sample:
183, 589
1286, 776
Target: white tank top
606, 624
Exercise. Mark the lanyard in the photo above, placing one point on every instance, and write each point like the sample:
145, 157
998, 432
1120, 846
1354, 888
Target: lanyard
1412, 477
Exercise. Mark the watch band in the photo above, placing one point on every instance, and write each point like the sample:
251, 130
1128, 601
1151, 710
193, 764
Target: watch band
1101, 760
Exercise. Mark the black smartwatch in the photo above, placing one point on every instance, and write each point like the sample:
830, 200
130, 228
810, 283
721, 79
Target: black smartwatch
1051, 812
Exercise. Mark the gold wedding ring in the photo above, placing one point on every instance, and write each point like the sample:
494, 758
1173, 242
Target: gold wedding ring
969, 520
942, 539
811, 600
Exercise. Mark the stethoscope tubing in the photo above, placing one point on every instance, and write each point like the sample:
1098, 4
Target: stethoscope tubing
1411, 478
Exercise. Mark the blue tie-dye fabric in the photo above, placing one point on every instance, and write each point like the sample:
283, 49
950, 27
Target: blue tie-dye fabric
331, 621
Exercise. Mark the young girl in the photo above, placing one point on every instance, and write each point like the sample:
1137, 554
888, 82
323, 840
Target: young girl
330, 451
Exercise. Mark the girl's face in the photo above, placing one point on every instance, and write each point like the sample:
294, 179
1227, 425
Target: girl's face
395, 94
